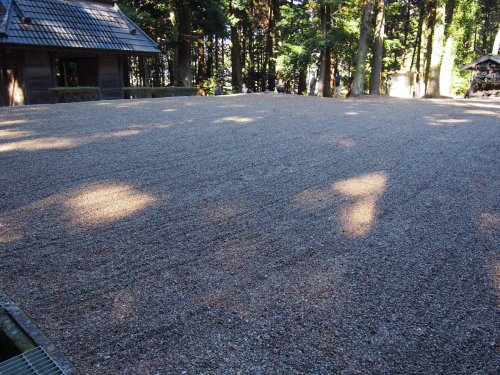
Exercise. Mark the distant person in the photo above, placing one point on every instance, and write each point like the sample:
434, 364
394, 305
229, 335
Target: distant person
312, 85
245, 89
218, 89
281, 87
337, 85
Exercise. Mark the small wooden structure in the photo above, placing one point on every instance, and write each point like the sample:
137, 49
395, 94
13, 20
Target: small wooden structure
401, 84
485, 76
58, 43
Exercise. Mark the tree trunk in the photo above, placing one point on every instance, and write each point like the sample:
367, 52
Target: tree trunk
210, 59
222, 66
450, 49
420, 84
273, 15
242, 31
156, 80
217, 65
251, 78
327, 87
302, 83
184, 45
201, 62
174, 17
378, 49
327, 90
171, 74
236, 59
486, 27
407, 30
323, 74
496, 43
358, 87
433, 90
430, 33
418, 42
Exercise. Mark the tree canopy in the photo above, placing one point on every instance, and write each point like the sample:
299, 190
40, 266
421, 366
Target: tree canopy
258, 42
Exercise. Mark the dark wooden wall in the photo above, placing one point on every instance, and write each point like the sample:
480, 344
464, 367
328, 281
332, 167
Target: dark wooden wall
26, 76
39, 75
12, 85
110, 77
88, 74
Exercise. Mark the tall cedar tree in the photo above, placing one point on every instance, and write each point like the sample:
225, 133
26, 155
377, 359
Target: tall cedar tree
378, 49
358, 87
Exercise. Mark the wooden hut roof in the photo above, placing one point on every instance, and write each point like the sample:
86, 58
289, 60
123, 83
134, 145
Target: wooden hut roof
490, 56
74, 24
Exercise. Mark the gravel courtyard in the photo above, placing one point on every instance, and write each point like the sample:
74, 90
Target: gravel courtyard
256, 234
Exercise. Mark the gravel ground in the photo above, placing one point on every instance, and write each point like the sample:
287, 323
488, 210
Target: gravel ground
256, 234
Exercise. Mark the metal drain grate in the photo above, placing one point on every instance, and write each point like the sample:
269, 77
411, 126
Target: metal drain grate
33, 362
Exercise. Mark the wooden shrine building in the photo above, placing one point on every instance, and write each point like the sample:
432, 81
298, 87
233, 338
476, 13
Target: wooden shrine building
485, 75
58, 43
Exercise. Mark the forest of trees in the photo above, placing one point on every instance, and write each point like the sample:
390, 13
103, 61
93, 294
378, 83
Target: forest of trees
258, 42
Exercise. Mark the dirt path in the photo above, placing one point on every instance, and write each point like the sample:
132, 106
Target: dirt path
256, 233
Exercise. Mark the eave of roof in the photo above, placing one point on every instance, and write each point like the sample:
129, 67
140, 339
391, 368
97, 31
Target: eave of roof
72, 24
490, 56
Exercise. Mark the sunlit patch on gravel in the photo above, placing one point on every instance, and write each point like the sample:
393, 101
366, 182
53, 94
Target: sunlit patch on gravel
12, 122
358, 217
237, 119
449, 122
354, 201
97, 204
495, 275
124, 133
84, 207
122, 304
488, 223
482, 112
14, 133
41, 144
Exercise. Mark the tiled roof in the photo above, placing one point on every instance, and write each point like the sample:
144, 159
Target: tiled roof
490, 56
71, 24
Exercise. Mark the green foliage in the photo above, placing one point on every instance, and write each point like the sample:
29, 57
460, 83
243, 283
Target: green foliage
459, 84
209, 16
392, 49
299, 45
466, 29
75, 94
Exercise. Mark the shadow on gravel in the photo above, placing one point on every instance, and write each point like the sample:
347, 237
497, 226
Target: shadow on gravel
259, 234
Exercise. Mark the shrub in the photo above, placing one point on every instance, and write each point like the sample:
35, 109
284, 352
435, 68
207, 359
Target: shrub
158, 92
75, 94
162, 92
137, 92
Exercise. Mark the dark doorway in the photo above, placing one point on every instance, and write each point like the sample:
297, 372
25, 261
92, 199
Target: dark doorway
76, 71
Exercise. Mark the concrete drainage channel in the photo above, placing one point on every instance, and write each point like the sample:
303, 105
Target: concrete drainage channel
24, 349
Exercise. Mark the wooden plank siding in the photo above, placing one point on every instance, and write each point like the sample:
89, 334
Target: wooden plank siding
39, 78
4, 78
26, 76
12, 78
110, 79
